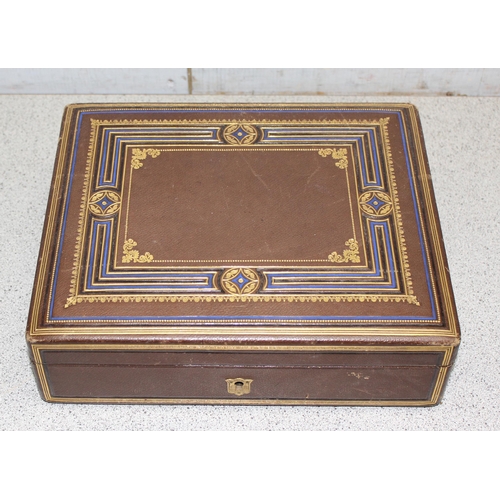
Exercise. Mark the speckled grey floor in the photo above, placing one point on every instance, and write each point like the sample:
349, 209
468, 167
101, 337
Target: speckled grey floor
462, 138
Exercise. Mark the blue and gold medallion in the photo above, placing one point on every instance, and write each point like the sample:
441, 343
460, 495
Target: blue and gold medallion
240, 281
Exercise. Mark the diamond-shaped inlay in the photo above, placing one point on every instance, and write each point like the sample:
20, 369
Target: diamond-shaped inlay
104, 203
240, 134
240, 281
375, 203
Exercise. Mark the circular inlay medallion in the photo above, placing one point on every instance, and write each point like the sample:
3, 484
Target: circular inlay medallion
240, 281
240, 134
375, 203
104, 203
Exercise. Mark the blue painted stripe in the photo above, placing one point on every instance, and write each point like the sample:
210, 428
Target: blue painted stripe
313, 274
138, 287
390, 270
106, 139
417, 215
308, 138
235, 108
390, 256
103, 163
92, 252
376, 165
183, 319
63, 228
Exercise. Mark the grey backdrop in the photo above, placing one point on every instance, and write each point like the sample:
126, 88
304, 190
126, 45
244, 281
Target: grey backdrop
295, 81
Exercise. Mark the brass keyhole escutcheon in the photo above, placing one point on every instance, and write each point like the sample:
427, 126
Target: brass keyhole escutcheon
238, 386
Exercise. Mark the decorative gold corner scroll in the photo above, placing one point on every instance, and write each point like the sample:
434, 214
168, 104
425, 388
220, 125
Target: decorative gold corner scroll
412, 299
141, 154
70, 301
350, 255
337, 154
130, 255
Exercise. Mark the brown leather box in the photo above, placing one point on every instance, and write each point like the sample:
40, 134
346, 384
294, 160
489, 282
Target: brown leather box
242, 254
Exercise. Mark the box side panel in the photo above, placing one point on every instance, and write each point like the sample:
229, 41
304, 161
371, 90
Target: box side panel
201, 383
355, 378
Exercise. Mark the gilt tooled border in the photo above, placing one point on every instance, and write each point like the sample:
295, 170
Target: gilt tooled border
129, 243
74, 298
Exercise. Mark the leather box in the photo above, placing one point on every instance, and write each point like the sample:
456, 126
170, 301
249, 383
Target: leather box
242, 254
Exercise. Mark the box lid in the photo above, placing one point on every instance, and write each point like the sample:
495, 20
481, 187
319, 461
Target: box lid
232, 222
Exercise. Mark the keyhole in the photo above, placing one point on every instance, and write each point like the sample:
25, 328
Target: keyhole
239, 384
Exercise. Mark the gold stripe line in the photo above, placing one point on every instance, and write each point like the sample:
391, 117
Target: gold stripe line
255, 331
249, 402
